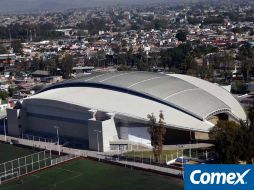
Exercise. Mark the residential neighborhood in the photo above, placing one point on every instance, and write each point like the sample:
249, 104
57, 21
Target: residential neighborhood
150, 93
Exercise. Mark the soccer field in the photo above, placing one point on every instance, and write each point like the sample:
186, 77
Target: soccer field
17, 161
9, 152
93, 175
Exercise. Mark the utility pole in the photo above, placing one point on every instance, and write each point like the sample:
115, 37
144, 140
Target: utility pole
31, 36
98, 145
57, 133
35, 35
5, 138
27, 35
190, 144
10, 35
181, 148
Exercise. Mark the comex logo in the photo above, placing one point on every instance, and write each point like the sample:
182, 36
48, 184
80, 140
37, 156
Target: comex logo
233, 178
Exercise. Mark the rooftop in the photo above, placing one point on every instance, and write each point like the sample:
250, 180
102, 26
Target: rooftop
188, 95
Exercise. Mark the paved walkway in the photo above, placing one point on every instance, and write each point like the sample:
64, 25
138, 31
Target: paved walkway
89, 153
145, 166
187, 146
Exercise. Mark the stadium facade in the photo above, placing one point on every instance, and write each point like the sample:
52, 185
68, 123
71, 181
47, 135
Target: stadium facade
111, 109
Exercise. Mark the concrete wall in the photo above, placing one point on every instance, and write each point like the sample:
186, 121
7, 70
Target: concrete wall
66, 129
42, 116
92, 135
133, 131
123, 132
62, 112
139, 135
23, 120
122, 128
77, 122
201, 136
107, 133
14, 125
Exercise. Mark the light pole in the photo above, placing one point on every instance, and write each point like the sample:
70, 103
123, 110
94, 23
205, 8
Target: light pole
57, 133
182, 165
5, 138
182, 158
98, 145
182, 147
142, 148
190, 144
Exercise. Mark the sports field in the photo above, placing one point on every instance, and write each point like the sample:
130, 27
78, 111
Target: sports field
16, 161
93, 175
9, 152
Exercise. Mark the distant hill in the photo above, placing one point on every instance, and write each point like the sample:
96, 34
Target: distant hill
41, 5
14, 6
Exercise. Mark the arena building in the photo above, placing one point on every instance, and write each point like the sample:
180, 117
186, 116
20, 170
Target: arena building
111, 109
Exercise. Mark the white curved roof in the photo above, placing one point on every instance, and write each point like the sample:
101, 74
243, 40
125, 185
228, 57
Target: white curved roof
194, 96
217, 92
186, 101
122, 104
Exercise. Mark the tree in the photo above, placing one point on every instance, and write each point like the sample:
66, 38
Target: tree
214, 20
251, 117
233, 141
37, 88
159, 24
157, 132
246, 57
224, 136
181, 36
3, 95
122, 67
239, 87
2, 49
66, 66
52, 65
228, 61
142, 65
17, 47
247, 135
12, 90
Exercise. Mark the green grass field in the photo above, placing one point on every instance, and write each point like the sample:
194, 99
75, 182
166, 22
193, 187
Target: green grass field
28, 161
9, 152
93, 175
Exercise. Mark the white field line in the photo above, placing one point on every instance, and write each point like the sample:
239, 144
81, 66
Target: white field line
71, 171
62, 181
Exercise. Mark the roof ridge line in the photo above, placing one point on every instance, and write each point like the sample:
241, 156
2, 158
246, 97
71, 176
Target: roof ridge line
190, 89
94, 77
113, 77
146, 80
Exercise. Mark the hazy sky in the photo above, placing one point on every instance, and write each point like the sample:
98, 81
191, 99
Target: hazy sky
28, 5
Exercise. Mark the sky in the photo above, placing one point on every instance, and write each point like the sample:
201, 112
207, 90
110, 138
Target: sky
33, 5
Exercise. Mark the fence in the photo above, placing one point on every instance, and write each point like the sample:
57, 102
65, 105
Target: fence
165, 160
15, 168
64, 158
24, 165
38, 138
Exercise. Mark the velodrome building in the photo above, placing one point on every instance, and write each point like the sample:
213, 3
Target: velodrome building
114, 108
